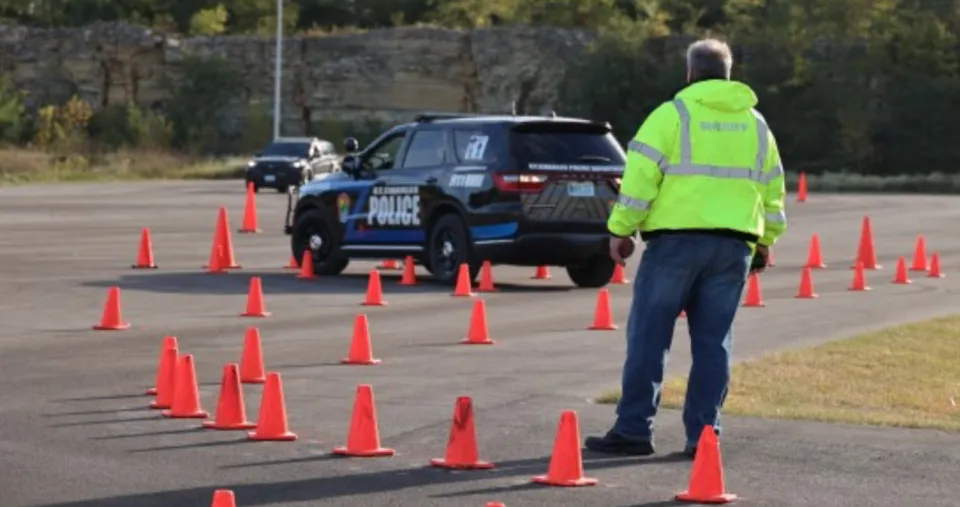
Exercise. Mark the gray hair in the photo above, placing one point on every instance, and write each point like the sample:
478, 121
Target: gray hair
709, 59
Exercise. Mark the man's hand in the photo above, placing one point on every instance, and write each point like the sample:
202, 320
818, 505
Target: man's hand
761, 259
621, 249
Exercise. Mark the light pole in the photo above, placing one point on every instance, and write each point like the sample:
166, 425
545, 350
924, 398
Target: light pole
278, 62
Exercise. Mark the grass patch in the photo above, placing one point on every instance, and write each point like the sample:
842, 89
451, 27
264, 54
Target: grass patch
905, 376
19, 166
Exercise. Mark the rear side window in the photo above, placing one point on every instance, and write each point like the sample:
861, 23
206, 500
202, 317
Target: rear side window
474, 146
568, 148
428, 148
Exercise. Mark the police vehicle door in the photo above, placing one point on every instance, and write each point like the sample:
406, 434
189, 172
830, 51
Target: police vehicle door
372, 205
412, 186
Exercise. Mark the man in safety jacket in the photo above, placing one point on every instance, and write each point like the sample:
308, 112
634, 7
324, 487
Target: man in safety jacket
704, 186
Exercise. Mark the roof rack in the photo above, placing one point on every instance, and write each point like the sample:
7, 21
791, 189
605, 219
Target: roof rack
429, 117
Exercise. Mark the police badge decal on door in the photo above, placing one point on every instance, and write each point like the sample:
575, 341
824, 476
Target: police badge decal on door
394, 207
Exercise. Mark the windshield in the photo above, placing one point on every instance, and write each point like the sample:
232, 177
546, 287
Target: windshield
569, 148
286, 150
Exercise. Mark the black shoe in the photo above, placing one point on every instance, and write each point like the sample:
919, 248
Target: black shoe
690, 451
613, 443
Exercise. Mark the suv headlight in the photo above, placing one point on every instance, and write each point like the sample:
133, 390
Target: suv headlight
299, 164
251, 164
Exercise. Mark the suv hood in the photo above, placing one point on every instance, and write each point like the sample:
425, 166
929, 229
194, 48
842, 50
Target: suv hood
277, 158
720, 94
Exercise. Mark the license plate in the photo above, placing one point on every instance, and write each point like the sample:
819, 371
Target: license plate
580, 189
269, 178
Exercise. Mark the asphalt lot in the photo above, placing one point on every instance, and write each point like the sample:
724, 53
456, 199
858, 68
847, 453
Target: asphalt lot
74, 430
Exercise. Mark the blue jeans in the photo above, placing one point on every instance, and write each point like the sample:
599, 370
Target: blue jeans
705, 276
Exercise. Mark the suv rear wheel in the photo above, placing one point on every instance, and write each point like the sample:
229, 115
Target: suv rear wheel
312, 231
447, 248
595, 273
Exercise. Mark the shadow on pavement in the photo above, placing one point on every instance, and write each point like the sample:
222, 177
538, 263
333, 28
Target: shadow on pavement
315, 489
238, 283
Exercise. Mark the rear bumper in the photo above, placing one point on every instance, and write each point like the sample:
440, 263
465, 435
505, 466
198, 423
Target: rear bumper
544, 249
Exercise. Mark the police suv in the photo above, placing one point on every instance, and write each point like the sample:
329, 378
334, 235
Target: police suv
448, 189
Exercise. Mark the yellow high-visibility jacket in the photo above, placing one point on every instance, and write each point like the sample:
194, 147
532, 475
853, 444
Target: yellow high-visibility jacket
704, 161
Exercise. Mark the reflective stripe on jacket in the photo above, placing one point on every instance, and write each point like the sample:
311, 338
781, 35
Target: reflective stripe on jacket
706, 160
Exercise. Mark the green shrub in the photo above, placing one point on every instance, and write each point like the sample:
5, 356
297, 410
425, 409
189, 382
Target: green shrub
13, 112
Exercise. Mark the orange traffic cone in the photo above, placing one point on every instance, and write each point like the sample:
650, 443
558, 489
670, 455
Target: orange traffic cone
112, 320
859, 282
566, 463
486, 278
363, 440
255, 304
920, 255
292, 263
409, 276
374, 291
231, 410
900, 277
186, 392
145, 255
619, 277
223, 498
754, 294
251, 361
935, 267
802, 188
306, 266
222, 245
478, 334
390, 264
228, 259
462, 452
603, 315
866, 252
814, 259
272, 420
806, 285
214, 265
166, 380
464, 286
543, 273
496, 504
706, 478
250, 225
169, 342
361, 351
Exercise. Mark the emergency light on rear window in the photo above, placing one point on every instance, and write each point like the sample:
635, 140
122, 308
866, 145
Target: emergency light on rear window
523, 183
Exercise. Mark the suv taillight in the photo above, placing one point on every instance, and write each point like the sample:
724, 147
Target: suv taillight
519, 182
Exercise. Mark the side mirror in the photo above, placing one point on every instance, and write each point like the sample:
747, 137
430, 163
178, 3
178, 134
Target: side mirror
351, 145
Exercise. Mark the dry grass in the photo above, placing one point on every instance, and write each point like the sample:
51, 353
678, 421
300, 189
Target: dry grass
906, 376
18, 165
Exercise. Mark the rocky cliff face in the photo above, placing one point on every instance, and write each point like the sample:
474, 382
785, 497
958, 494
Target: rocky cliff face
382, 74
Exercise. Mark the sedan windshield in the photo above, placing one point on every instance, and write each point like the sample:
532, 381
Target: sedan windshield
287, 150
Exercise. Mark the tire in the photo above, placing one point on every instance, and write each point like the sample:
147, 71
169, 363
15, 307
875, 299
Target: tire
449, 246
595, 273
328, 259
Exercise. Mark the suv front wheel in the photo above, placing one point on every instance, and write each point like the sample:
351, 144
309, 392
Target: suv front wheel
447, 248
312, 231
595, 273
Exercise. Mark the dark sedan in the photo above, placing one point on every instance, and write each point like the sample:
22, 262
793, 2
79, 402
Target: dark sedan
291, 162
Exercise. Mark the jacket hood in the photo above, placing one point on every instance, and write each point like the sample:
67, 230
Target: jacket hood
720, 94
